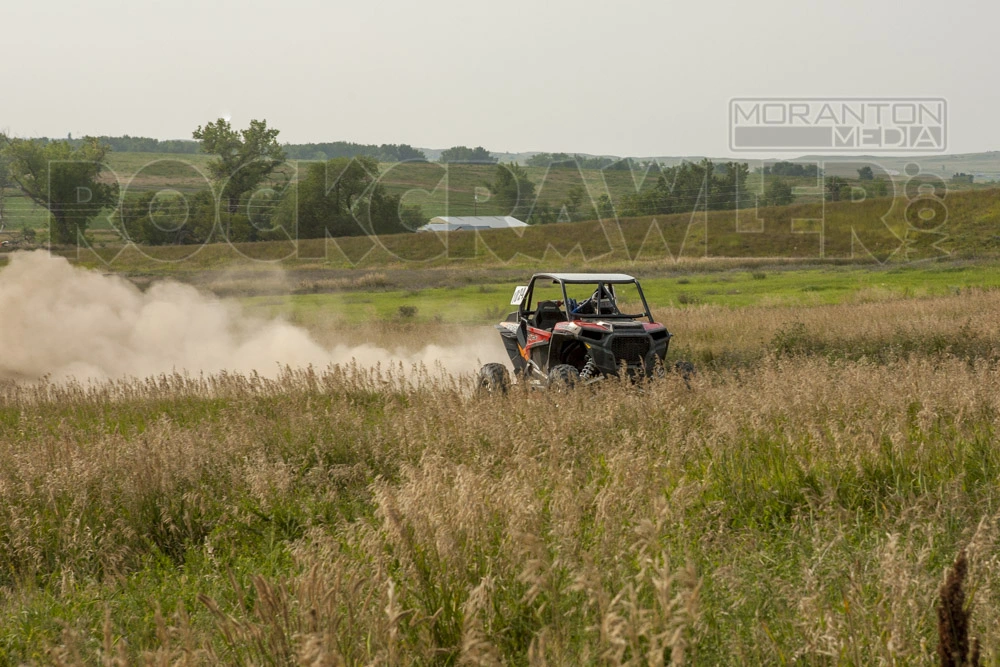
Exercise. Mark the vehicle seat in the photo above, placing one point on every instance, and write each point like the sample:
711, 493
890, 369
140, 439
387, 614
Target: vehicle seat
607, 307
547, 314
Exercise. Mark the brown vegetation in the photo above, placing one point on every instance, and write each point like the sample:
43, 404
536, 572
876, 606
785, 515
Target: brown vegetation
801, 510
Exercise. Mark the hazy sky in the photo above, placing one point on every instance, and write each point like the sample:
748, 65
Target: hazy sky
629, 77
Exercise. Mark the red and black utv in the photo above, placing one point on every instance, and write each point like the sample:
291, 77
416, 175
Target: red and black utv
574, 328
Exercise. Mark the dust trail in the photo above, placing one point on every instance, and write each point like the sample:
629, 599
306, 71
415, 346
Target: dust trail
65, 322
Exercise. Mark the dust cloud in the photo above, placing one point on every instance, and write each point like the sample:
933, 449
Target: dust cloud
64, 322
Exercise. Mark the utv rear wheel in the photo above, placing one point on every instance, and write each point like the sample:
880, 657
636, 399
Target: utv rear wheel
563, 376
493, 379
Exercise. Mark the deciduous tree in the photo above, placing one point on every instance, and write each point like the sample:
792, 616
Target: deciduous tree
63, 179
778, 193
466, 154
244, 158
512, 190
342, 197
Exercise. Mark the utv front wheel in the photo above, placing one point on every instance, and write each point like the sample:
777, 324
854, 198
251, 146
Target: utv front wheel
563, 376
493, 379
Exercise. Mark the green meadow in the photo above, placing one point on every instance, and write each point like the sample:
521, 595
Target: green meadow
774, 287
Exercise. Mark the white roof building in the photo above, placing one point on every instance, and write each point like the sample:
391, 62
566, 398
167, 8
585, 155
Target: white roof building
458, 223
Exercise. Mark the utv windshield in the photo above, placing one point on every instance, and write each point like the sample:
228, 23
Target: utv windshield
606, 301
614, 298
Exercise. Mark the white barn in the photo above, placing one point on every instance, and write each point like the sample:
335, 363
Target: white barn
458, 223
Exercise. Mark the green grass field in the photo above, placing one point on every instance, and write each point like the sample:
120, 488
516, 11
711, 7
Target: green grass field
778, 288
803, 509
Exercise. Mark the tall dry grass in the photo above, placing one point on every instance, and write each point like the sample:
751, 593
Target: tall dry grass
870, 326
805, 512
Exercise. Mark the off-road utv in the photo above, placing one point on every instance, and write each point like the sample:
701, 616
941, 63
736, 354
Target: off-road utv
574, 328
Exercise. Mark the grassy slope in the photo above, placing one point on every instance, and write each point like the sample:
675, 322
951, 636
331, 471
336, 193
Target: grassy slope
850, 232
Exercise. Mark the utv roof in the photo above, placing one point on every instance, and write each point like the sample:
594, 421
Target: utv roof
587, 277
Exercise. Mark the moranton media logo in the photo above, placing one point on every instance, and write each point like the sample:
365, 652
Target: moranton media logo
874, 125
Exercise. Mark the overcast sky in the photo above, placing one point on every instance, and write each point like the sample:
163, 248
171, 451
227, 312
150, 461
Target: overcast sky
633, 77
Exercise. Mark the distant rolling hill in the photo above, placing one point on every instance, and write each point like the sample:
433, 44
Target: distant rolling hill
983, 166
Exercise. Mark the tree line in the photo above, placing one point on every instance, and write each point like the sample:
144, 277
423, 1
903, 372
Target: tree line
692, 186
577, 161
311, 151
127, 144
336, 149
793, 169
256, 198
253, 199
464, 154
683, 188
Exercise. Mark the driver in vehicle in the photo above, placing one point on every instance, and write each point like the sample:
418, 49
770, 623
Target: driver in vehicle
601, 302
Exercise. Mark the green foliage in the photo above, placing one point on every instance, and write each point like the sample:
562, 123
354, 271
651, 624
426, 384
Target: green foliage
778, 193
63, 179
342, 197
605, 208
128, 144
312, 151
691, 186
865, 173
542, 213
158, 218
792, 169
335, 149
466, 154
564, 160
5, 184
513, 191
836, 188
878, 187
628, 164
577, 206
5, 175
166, 217
244, 159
